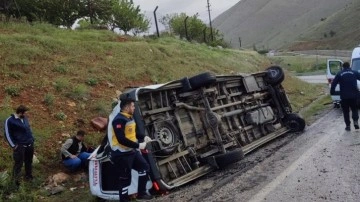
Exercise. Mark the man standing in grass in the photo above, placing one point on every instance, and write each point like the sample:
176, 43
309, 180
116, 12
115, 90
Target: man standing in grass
20, 138
349, 93
73, 152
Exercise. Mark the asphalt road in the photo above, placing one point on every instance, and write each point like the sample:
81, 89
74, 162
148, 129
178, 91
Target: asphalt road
319, 164
314, 78
322, 164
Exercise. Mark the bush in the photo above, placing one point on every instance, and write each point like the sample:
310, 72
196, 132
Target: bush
49, 99
12, 90
219, 42
15, 75
332, 33
61, 69
60, 116
4, 178
102, 108
92, 82
61, 84
262, 52
79, 92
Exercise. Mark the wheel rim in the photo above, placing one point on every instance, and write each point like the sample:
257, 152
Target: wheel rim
165, 136
274, 73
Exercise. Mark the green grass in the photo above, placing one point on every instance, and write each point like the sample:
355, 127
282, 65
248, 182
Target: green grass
80, 91
316, 107
61, 83
300, 93
49, 99
301, 64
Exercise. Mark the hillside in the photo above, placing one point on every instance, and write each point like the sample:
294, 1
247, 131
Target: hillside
69, 77
273, 24
344, 26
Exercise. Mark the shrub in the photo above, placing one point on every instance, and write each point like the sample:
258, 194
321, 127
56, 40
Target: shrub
332, 33
102, 108
61, 69
60, 116
6, 103
4, 178
79, 92
262, 52
61, 84
49, 99
12, 90
15, 75
92, 82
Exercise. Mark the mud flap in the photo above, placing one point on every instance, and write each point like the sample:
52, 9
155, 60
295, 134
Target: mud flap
222, 160
154, 173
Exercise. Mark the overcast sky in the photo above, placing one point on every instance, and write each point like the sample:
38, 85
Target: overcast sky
190, 7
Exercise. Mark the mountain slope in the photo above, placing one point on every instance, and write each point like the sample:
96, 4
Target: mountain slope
339, 31
272, 24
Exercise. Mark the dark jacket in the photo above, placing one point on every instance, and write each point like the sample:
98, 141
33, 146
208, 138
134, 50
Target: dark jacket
347, 79
18, 131
74, 148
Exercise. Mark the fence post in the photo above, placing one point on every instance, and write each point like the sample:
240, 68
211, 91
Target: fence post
186, 32
204, 31
156, 24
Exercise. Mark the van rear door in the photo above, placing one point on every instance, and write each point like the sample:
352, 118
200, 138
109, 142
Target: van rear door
333, 67
355, 64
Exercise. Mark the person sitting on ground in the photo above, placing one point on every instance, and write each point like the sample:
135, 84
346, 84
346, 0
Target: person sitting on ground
73, 152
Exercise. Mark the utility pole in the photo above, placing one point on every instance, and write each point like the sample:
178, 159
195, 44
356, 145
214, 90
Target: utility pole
211, 29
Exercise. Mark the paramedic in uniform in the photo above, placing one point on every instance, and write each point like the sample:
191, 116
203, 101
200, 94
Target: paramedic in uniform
349, 93
124, 154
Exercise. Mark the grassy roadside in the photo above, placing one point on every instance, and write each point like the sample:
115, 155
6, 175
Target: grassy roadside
300, 64
320, 105
69, 77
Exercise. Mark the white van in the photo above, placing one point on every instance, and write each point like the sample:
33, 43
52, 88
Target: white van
199, 124
334, 66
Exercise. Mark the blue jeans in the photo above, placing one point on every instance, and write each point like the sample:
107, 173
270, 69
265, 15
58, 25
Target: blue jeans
75, 163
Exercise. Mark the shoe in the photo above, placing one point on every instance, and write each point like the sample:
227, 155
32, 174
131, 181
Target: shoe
347, 128
29, 178
356, 126
145, 196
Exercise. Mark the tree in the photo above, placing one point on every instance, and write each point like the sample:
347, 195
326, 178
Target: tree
127, 17
6, 7
175, 23
98, 11
64, 12
31, 10
142, 25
